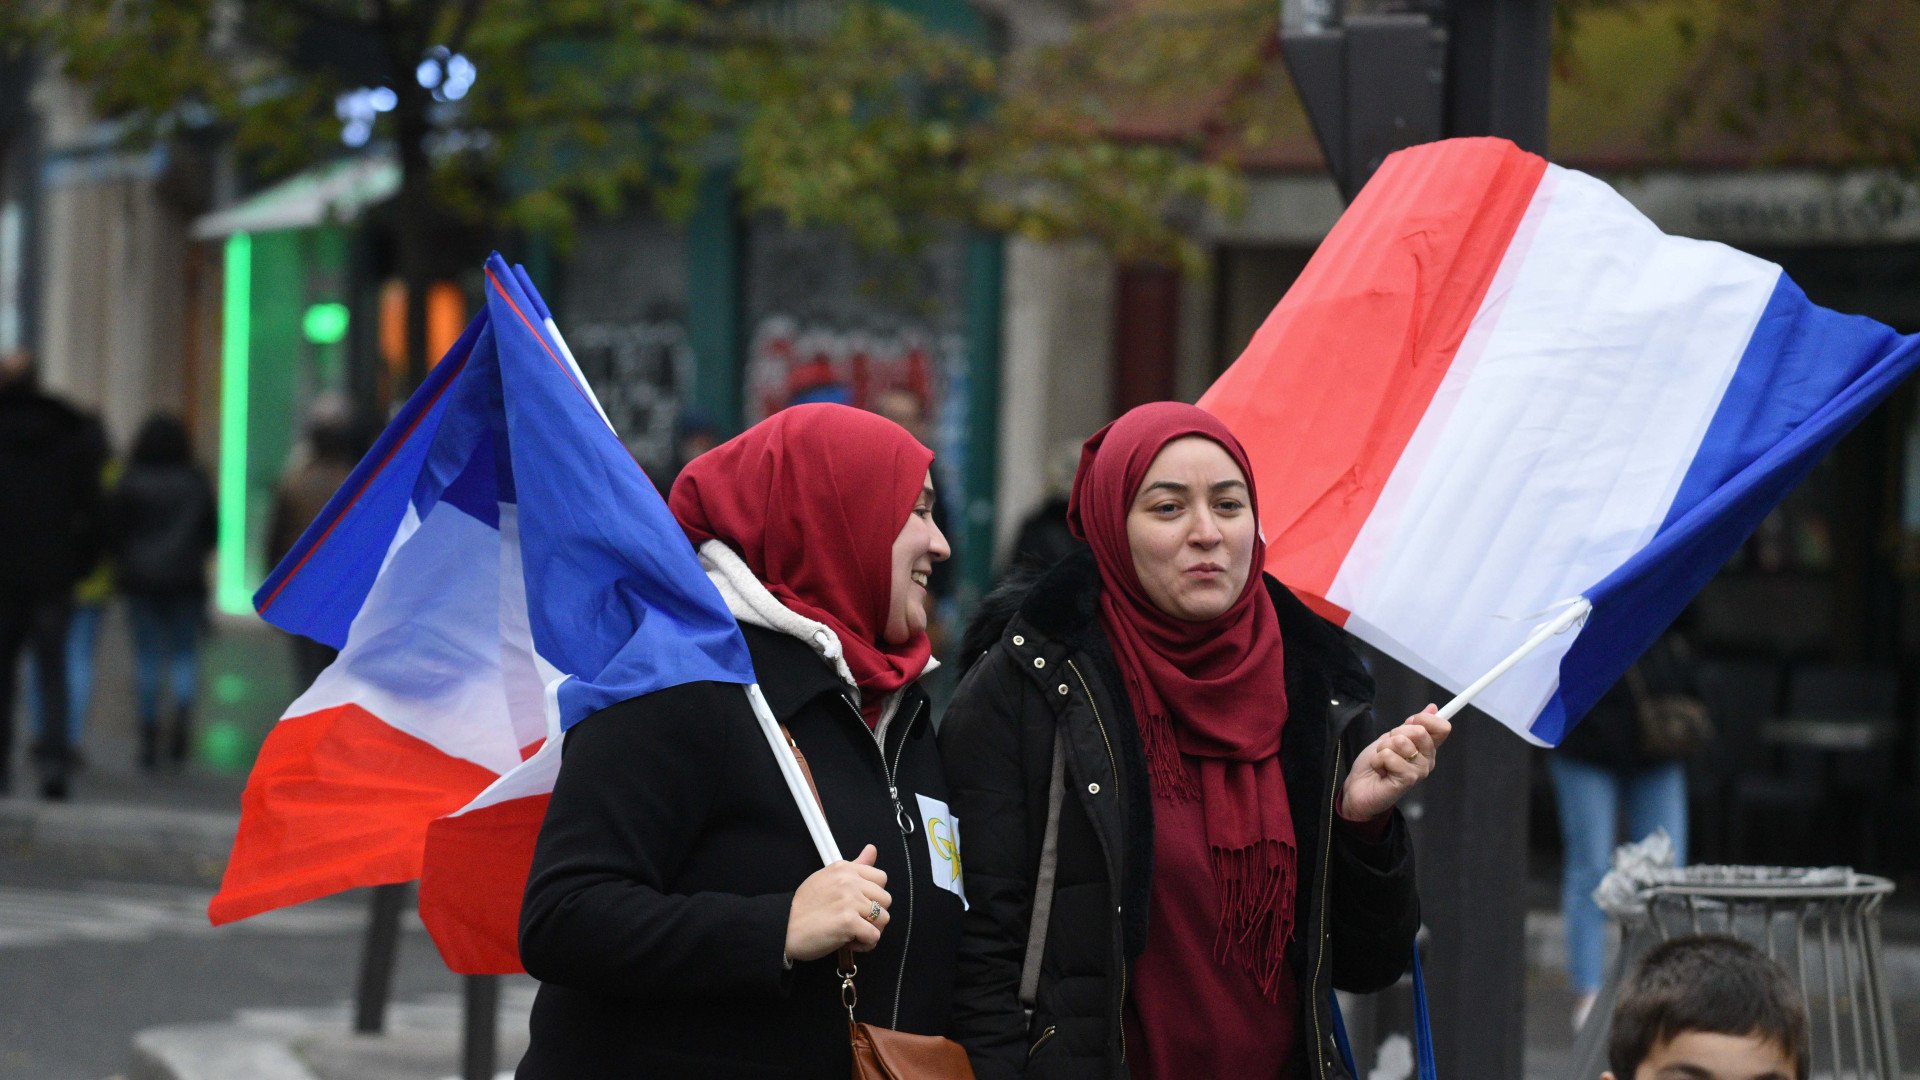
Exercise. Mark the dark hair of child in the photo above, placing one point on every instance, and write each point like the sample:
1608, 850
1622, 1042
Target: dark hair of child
1707, 983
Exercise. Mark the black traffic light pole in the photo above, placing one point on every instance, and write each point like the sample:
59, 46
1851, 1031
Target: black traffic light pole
1373, 83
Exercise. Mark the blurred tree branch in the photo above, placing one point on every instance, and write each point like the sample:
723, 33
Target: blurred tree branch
1814, 81
866, 120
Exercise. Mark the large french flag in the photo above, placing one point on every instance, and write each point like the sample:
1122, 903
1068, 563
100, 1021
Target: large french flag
1498, 390
496, 569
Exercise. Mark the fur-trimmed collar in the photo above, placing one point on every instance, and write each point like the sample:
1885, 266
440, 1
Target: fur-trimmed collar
751, 603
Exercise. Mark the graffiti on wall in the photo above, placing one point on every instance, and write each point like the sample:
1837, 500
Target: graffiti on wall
642, 372
790, 362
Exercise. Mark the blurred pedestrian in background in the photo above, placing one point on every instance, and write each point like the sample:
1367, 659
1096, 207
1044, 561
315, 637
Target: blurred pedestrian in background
90, 599
694, 433
161, 524
332, 447
50, 460
1045, 537
904, 407
1611, 763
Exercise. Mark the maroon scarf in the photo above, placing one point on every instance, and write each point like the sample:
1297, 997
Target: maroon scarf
1214, 692
812, 498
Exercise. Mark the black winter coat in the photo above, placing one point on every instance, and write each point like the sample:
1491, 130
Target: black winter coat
162, 524
50, 513
1050, 664
656, 911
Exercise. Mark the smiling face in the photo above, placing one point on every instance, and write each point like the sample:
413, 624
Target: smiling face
919, 545
1191, 530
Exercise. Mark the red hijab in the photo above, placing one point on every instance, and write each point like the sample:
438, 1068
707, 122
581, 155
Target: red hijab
812, 498
1213, 693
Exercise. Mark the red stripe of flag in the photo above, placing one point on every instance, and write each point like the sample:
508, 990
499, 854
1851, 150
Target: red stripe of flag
337, 799
1329, 391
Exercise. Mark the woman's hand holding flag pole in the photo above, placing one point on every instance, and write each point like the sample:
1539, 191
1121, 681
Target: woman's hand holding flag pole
1559, 624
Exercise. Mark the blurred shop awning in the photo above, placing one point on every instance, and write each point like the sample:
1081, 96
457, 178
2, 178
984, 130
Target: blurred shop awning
335, 193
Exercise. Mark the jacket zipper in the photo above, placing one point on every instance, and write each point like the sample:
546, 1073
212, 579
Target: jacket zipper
1040, 1042
1319, 957
1101, 724
904, 823
1114, 765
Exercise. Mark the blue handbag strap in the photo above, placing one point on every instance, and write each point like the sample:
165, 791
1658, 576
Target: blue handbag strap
1422, 1028
1422, 1023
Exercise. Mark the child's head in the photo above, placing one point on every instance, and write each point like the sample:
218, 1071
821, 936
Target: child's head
1708, 1008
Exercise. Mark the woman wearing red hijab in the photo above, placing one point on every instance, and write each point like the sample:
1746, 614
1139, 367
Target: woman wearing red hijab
677, 915
1224, 846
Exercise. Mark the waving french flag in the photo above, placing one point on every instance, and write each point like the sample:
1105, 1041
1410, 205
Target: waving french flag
496, 569
1498, 391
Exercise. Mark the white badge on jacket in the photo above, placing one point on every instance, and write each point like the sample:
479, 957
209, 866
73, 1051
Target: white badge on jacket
943, 846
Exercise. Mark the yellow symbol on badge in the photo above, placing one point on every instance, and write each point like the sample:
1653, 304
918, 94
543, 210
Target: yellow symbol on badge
941, 840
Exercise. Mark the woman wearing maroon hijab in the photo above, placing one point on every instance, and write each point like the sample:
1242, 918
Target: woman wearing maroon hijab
677, 915
1224, 847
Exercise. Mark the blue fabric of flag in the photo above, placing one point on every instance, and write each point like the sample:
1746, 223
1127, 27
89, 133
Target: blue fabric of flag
616, 597
319, 586
1807, 376
615, 593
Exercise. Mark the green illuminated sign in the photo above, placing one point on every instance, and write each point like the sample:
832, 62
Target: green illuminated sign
231, 592
325, 324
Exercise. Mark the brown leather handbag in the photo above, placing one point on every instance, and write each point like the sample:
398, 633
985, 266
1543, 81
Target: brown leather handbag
885, 1054
1670, 725
882, 1053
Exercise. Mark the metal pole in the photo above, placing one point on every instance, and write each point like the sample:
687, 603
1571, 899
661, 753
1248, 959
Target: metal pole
477, 1049
1472, 846
1371, 85
1498, 67
377, 952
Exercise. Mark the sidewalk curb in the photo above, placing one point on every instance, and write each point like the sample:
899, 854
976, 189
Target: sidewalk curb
421, 1043
213, 1052
188, 846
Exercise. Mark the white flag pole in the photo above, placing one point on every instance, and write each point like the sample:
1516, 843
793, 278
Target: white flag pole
810, 811
579, 376
1575, 612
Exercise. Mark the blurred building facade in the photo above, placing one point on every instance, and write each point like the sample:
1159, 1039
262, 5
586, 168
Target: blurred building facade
101, 277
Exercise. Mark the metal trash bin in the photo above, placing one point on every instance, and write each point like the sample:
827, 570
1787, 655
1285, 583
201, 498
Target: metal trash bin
1822, 924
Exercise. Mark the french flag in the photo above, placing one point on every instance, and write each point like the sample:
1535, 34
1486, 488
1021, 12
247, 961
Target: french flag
495, 570
1498, 392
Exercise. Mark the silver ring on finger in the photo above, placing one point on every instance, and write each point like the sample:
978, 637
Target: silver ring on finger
873, 913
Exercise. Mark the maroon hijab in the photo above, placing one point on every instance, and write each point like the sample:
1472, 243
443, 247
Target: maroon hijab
1213, 693
812, 498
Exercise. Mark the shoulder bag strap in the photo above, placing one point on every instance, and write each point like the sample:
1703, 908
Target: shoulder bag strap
1424, 1060
1049, 869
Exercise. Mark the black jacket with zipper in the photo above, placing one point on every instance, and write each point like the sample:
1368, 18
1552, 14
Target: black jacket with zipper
656, 911
1043, 660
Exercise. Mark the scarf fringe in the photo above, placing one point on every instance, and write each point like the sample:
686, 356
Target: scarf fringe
1166, 771
1257, 885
